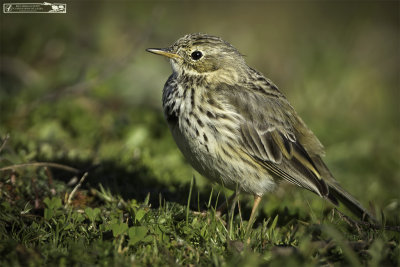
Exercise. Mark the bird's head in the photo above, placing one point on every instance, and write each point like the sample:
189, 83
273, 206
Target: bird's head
199, 54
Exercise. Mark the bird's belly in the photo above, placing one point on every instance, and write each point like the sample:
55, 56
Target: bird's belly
215, 160
196, 152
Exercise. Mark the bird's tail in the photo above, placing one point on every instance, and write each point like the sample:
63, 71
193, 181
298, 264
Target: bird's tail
338, 194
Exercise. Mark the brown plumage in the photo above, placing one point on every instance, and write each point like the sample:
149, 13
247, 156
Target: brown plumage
235, 127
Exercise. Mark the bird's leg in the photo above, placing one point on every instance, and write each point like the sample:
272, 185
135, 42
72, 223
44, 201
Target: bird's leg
222, 207
257, 200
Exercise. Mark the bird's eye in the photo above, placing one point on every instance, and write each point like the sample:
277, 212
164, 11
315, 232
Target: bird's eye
196, 55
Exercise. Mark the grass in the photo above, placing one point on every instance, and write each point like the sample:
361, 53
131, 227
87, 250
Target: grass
53, 214
89, 174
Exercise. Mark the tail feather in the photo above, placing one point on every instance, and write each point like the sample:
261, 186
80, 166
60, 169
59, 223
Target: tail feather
338, 194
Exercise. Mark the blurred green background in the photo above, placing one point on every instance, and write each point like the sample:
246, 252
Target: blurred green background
79, 88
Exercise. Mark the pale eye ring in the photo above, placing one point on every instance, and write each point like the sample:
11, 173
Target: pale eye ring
196, 55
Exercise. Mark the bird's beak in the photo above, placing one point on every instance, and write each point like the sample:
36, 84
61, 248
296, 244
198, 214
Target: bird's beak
163, 52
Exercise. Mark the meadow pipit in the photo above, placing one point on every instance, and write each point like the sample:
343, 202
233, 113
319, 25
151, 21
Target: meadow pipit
236, 128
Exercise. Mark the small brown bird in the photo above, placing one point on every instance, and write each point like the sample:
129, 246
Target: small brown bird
236, 128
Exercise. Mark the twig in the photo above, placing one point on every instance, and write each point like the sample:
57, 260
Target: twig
4, 142
71, 196
50, 180
33, 183
39, 164
19, 69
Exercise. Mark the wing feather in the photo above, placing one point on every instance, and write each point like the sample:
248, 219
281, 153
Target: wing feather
273, 136
277, 138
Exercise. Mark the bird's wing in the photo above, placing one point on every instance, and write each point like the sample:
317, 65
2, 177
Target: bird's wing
274, 136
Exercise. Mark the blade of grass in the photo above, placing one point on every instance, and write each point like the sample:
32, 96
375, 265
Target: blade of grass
188, 202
